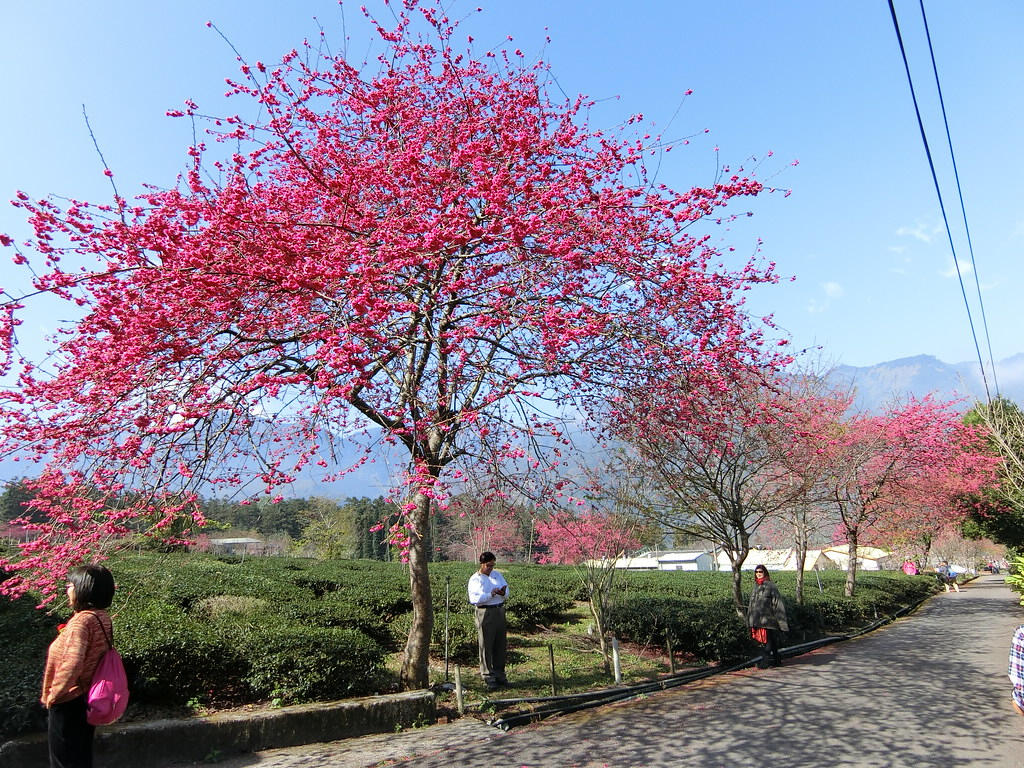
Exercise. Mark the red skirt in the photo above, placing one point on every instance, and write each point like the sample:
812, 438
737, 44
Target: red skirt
760, 634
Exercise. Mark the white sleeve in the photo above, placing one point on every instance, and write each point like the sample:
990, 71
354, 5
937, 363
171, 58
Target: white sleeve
476, 589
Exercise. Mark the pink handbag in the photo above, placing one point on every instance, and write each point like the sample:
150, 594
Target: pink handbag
108, 692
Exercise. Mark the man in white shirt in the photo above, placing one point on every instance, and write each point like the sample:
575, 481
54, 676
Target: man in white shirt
487, 592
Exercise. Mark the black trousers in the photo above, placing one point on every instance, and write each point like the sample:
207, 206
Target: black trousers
70, 735
771, 647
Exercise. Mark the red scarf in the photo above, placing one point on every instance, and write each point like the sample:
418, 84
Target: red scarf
760, 578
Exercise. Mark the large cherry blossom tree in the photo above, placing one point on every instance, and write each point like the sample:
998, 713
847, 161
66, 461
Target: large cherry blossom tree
438, 251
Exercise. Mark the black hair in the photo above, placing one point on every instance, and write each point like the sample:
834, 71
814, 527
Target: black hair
487, 557
762, 568
94, 587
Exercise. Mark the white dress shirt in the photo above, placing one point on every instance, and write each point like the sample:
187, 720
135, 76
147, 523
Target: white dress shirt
480, 587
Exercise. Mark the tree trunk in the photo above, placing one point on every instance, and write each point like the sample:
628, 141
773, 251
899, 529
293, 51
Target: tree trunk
851, 567
737, 588
597, 581
801, 561
599, 628
926, 551
415, 672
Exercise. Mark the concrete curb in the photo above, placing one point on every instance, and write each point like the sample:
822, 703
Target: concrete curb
161, 742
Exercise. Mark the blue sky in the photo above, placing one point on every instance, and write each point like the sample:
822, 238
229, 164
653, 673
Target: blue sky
821, 83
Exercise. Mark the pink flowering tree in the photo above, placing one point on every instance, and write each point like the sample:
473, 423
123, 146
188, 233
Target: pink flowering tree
474, 524
799, 439
903, 470
437, 252
593, 542
711, 464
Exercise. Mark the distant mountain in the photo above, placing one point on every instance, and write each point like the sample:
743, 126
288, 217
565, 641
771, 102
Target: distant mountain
376, 476
884, 383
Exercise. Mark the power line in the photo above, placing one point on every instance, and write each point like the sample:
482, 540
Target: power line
963, 209
938, 192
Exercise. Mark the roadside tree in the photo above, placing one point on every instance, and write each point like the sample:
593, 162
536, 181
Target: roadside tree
717, 484
997, 512
437, 250
808, 413
592, 542
885, 469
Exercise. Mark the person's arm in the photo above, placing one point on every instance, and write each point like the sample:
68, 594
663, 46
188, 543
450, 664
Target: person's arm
502, 584
68, 669
479, 593
780, 611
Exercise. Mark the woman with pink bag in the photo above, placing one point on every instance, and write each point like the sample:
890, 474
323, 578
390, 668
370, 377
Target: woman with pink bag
70, 663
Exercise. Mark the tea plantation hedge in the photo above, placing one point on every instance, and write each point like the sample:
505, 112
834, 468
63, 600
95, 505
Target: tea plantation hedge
202, 629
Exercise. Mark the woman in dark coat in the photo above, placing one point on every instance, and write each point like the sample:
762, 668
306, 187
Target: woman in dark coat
766, 617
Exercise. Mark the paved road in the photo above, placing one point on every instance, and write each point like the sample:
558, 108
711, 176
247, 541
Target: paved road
928, 691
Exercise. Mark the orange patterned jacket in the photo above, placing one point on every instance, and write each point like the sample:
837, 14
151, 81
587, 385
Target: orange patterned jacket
73, 657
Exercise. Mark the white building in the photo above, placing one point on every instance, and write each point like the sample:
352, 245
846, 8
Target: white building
868, 558
781, 560
668, 561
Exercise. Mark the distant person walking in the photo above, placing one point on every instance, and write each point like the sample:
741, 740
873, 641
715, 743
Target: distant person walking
946, 576
766, 617
488, 591
1017, 668
70, 663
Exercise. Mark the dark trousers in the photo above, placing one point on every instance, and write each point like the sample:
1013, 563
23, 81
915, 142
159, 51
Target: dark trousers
70, 736
492, 643
773, 643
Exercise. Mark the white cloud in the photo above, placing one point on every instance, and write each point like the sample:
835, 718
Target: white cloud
832, 290
1010, 373
964, 268
917, 232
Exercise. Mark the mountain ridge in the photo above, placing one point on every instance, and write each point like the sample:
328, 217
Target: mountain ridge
882, 384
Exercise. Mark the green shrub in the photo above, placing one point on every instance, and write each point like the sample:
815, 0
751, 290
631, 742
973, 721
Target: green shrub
295, 664
25, 635
172, 656
462, 635
531, 605
707, 629
337, 610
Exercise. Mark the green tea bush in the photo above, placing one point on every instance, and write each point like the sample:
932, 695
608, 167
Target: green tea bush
172, 656
531, 605
294, 664
462, 635
711, 631
707, 629
25, 634
336, 610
